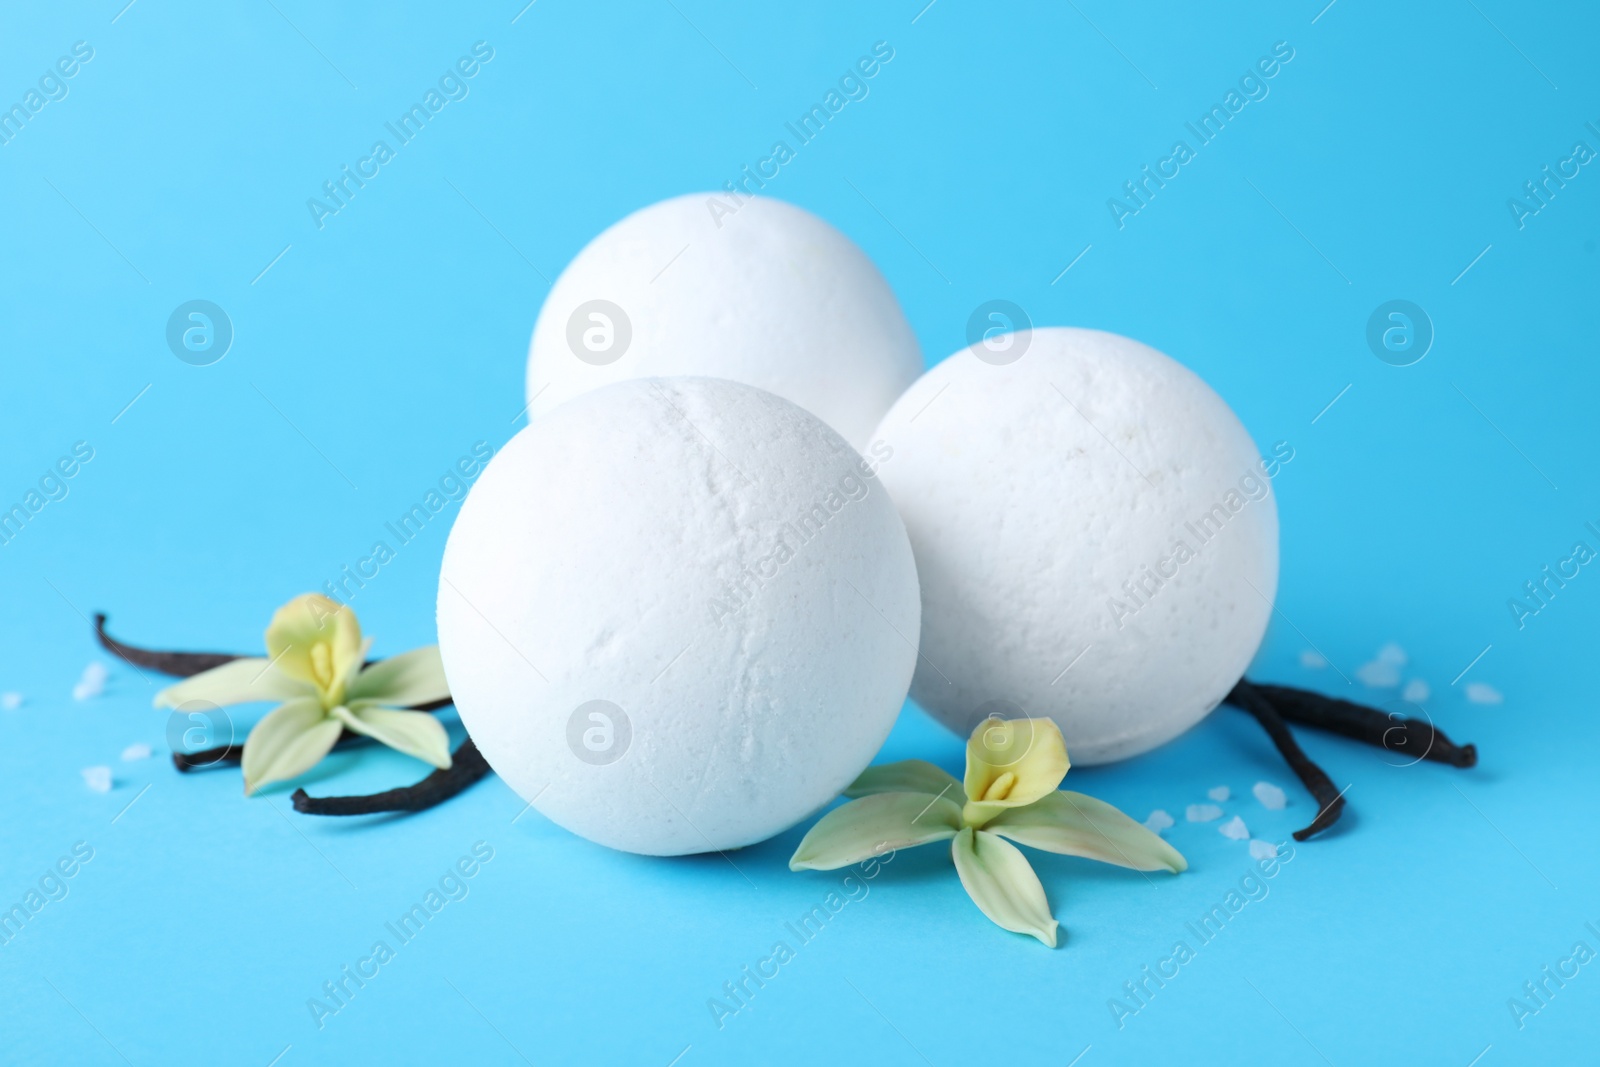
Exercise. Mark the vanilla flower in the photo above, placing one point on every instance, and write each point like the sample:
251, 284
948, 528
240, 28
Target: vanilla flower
1013, 769
315, 667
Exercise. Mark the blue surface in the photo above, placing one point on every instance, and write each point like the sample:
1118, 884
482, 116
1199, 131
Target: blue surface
370, 353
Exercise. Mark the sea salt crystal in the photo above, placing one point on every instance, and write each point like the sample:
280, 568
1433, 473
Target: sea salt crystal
1219, 793
1202, 812
93, 682
1234, 829
1392, 653
1378, 674
1483, 693
10, 701
1272, 798
1157, 821
1416, 691
1312, 660
136, 752
1263, 850
97, 778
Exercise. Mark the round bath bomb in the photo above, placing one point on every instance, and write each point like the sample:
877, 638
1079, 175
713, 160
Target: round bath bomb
759, 292
678, 614
1095, 535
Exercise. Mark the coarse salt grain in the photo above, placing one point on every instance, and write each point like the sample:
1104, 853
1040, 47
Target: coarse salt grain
1392, 653
1378, 674
92, 683
1271, 797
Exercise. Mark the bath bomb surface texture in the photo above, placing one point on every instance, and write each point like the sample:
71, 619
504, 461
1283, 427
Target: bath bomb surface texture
1095, 535
760, 292
678, 614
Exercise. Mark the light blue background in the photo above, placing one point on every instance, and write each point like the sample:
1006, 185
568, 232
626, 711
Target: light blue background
378, 349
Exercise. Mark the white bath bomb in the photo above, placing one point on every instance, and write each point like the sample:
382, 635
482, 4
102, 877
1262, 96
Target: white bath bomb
767, 294
678, 614
1095, 534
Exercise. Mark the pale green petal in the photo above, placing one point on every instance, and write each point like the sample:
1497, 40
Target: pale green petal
402, 681
907, 776
317, 640
290, 740
239, 682
997, 877
873, 826
1077, 825
1010, 764
416, 733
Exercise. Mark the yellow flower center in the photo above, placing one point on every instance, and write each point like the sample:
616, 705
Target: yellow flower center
1000, 788
322, 665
